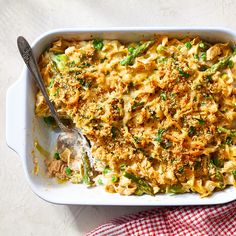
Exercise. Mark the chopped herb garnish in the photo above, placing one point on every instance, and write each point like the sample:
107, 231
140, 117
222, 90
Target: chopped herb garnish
113, 132
201, 121
229, 140
68, 170
188, 45
209, 79
181, 170
197, 165
163, 96
84, 83
159, 135
192, 131
166, 144
137, 105
203, 68
51, 83
98, 44
56, 156
122, 167
136, 139
215, 161
183, 74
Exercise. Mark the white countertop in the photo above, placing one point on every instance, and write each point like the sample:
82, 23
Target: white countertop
22, 212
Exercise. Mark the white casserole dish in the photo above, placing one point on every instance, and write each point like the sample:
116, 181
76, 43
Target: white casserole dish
22, 128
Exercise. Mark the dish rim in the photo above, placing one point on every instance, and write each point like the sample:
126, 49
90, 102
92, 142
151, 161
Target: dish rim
62, 31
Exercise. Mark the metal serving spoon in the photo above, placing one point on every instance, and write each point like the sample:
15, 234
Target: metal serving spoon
72, 139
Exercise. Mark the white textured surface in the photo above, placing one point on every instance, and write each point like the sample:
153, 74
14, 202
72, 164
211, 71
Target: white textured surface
21, 212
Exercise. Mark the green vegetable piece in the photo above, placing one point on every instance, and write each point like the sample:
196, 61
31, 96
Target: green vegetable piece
56, 156
136, 52
130, 50
142, 185
183, 74
177, 188
234, 51
100, 181
160, 48
98, 44
202, 45
219, 65
203, 56
196, 57
60, 60
159, 135
41, 150
223, 130
86, 170
231, 64
106, 170
188, 45
192, 131
68, 171
114, 178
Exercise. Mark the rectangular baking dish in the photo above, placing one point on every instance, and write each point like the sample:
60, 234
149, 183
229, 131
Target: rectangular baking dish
23, 128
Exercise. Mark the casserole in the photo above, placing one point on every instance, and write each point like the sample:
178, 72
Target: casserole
27, 129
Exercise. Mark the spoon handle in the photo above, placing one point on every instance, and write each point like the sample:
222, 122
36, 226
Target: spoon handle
30, 61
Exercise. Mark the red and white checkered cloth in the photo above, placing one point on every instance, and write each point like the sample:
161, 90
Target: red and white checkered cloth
214, 220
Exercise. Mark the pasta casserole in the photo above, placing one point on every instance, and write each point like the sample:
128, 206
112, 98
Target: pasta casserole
159, 113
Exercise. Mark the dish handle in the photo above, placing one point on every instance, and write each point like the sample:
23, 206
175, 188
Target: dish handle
15, 116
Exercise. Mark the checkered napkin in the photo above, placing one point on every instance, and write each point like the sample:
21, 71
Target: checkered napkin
205, 220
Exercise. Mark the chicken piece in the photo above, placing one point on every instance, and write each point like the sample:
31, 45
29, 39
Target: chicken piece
213, 52
57, 168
